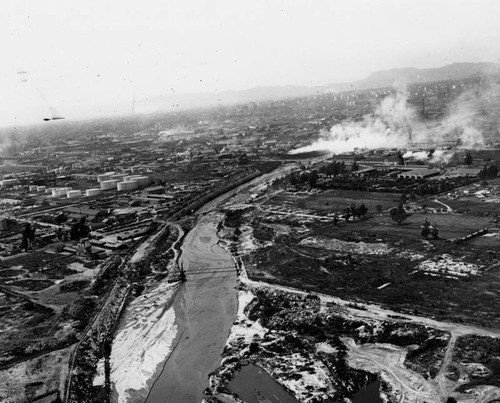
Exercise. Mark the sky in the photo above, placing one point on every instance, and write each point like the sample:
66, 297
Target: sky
88, 58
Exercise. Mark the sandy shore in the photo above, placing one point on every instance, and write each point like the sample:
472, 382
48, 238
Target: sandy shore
143, 341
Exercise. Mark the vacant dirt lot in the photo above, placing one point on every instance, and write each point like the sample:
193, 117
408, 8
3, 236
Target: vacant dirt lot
375, 259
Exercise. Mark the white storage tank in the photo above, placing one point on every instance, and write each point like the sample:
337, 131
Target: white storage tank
136, 169
119, 177
105, 177
142, 181
59, 192
9, 182
92, 192
41, 188
72, 194
127, 186
33, 188
109, 184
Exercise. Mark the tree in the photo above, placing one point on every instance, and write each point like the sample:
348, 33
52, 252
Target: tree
61, 218
399, 214
293, 180
413, 196
428, 229
354, 210
468, 159
28, 237
313, 178
355, 166
399, 156
79, 229
362, 210
488, 171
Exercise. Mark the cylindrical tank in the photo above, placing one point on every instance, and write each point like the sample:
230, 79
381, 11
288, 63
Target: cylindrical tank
92, 192
109, 184
41, 188
105, 177
142, 180
127, 186
118, 177
59, 192
33, 188
9, 182
72, 194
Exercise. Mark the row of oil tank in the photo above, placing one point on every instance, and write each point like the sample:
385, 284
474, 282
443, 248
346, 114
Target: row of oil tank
129, 183
120, 177
126, 183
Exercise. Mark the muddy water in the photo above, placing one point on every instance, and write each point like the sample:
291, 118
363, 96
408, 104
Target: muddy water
254, 385
370, 394
205, 310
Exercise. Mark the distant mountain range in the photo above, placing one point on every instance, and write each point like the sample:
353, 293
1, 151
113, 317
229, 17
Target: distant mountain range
455, 71
379, 79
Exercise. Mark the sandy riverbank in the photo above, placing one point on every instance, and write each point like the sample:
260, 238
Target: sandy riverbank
142, 342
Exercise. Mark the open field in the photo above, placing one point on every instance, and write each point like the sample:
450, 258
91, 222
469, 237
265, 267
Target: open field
44, 375
45, 300
336, 200
450, 227
21, 324
374, 258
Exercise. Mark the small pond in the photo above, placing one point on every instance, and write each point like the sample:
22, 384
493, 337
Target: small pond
254, 385
369, 394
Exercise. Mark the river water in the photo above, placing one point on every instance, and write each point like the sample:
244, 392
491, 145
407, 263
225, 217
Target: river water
205, 306
205, 309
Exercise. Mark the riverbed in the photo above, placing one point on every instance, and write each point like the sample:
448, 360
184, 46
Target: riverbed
205, 309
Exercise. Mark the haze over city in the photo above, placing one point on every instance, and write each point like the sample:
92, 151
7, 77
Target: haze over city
85, 59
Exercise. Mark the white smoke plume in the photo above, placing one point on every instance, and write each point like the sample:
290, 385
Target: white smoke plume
463, 119
390, 125
395, 124
436, 157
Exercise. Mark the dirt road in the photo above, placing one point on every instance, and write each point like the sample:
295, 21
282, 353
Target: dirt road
389, 360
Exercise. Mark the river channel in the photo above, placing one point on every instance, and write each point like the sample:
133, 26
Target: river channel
205, 309
206, 304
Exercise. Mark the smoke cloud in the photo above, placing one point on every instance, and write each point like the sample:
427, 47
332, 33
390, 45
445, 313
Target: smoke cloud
437, 157
396, 124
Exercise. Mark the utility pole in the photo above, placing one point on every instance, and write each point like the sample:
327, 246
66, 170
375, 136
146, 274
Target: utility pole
133, 99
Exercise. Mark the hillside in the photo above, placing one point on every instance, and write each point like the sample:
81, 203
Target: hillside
385, 78
455, 71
